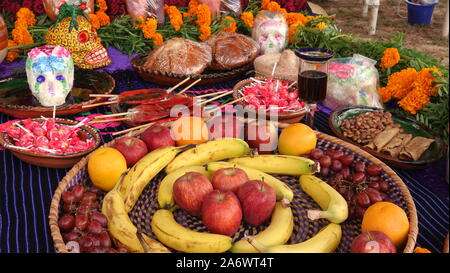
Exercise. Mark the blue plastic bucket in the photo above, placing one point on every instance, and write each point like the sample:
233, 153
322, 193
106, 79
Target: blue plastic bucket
420, 14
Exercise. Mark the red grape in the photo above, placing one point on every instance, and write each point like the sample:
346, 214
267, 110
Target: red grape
77, 192
99, 249
325, 161
105, 240
324, 172
83, 209
349, 195
86, 243
95, 228
360, 167
374, 178
336, 165
89, 196
358, 177
316, 153
374, 185
384, 186
81, 221
337, 155
374, 195
95, 190
111, 250
338, 177
359, 211
66, 222
89, 202
330, 152
362, 199
99, 217
96, 241
71, 236
373, 170
347, 160
68, 197
69, 208
342, 190
346, 174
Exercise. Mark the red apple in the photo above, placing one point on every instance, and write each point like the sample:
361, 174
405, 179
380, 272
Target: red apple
262, 135
373, 242
221, 212
189, 190
132, 149
257, 201
157, 136
226, 126
229, 179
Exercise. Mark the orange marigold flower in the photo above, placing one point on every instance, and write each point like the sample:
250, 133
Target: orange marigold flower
390, 58
149, 28
206, 32
421, 250
12, 54
94, 20
414, 101
265, 3
232, 26
140, 21
292, 31
295, 18
193, 4
248, 18
203, 15
26, 15
157, 39
21, 36
275, 7
176, 19
425, 81
103, 18
399, 83
385, 94
102, 5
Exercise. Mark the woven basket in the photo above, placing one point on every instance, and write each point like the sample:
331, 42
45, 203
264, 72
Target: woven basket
304, 228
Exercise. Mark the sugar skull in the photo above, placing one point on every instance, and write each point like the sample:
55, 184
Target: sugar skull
77, 34
50, 74
270, 30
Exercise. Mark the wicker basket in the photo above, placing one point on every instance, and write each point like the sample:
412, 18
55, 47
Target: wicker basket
304, 228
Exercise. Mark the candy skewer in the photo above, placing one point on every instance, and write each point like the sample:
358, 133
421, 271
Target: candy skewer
177, 85
189, 86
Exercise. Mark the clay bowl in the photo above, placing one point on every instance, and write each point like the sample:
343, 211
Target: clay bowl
49, 160
286, 117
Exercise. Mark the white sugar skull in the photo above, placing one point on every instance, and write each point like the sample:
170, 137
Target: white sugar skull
270, 31
50, 74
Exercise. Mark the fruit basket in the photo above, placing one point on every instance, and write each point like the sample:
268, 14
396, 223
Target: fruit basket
146, 205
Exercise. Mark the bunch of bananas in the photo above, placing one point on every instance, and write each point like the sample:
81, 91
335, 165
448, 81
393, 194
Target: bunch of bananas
205, 158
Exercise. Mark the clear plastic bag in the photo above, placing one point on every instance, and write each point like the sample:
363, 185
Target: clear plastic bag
146, 8
231, 6
352, 81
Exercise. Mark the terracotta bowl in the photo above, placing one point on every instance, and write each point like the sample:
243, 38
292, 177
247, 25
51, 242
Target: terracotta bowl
49, 160
286, 117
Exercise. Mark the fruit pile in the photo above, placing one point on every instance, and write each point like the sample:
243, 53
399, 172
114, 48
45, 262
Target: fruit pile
360, 184
46, 137
84, 228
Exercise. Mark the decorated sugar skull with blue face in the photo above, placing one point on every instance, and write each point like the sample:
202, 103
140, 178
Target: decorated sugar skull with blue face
50, 74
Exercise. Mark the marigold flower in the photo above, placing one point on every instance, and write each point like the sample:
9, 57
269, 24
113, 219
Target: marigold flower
292, 31
425, 81
176, 19
275, 7
27, 16
21, 36
203, 15
94, 20
232, 26
12, 54
102, 5
265, 3
414, 101
296, 18
157, 39
149, 28
390, 58
140, 21
321, 26
399, 83
206, 32
103, 18
247, 18
385, 94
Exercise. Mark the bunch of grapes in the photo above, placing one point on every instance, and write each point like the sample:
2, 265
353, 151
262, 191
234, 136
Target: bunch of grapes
361, 185
83, 226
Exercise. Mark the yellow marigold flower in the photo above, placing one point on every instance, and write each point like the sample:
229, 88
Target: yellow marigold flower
176, 19
232, 26
247, 18
94, 20
12, 54
414, 101
321, 26
206, 32
102, 5
295, 18
26, 15
390, 58
103, 18
421, 250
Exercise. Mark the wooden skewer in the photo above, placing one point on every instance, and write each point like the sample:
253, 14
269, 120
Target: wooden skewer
212, 94
218, 97
102, 95
99, 104
189, 86
178, 84
108, 120
112, 115
231, 102
132, 129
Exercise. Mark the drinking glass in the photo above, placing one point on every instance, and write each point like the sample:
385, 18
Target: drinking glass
312, 78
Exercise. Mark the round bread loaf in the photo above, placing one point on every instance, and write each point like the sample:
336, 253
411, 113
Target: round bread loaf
231, 50
180, 56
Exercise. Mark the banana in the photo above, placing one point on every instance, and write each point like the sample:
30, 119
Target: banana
165, 190
210, 151
277, 233
143, 171
325, 241
281, 189
279, 164
122, 230
334, 207
175, 236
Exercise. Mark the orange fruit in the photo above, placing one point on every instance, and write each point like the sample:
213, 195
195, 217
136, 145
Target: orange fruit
297, 139
389, 219
105, 166
189, 130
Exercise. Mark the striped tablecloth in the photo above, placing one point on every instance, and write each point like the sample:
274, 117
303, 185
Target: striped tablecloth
26, 191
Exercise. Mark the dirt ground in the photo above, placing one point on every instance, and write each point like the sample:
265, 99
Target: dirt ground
427, 39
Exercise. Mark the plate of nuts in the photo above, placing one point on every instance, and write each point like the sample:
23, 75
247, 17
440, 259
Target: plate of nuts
397, 140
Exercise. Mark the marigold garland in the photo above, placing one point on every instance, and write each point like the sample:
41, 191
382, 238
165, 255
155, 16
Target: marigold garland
232, 26
248, 18
390, 58
176, 19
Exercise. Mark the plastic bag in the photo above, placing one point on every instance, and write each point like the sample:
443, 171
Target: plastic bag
51, 7
231, 6
146, 8
352, 82
270, 31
